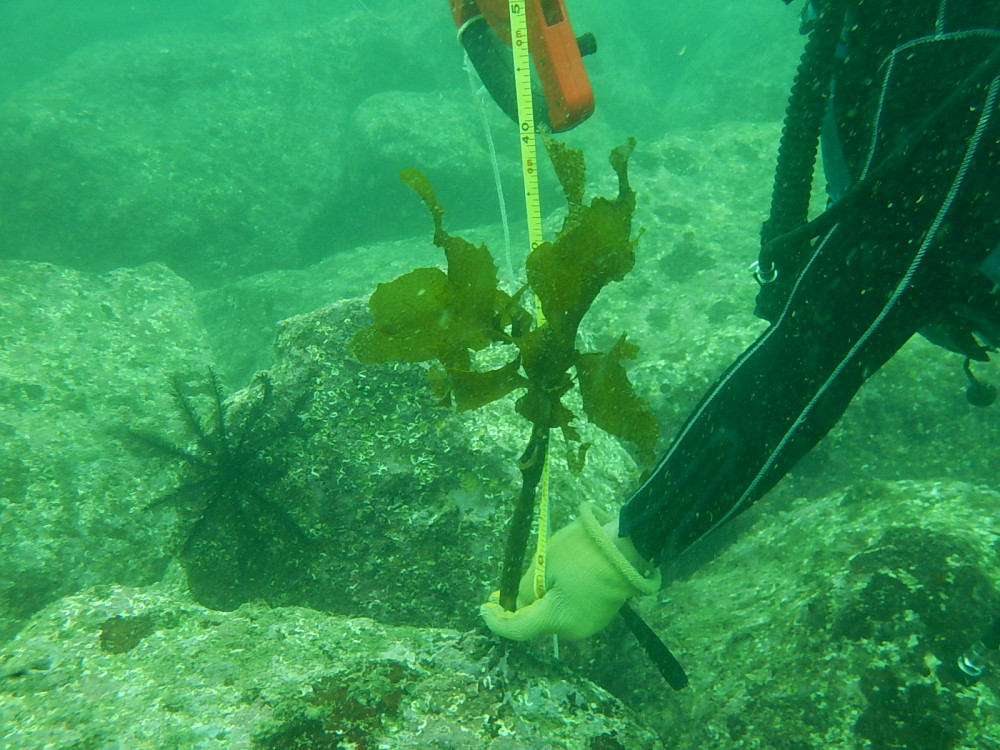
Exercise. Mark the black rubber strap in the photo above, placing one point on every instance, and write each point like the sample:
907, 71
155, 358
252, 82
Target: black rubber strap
657, 651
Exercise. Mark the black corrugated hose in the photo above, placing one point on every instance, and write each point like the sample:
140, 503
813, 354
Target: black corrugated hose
797, 154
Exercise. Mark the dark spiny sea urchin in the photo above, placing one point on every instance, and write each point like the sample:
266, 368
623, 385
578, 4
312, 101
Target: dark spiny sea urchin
241, 538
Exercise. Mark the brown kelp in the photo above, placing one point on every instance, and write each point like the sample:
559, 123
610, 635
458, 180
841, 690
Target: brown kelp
446, 315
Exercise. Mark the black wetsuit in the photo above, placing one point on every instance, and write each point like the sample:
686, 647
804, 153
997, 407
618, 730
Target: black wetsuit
903, 255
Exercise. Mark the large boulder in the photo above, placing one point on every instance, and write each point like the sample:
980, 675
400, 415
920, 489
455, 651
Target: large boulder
218, 154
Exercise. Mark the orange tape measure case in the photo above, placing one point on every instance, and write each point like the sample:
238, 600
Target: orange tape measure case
554, 50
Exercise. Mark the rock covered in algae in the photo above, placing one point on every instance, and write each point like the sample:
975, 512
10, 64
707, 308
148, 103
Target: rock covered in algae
401, 503
81, 357
221, 154
404, 502
173, 674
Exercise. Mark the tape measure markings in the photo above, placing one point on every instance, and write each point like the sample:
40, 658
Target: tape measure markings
526, 120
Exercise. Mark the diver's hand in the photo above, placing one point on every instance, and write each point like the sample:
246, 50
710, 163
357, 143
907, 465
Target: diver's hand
589, 573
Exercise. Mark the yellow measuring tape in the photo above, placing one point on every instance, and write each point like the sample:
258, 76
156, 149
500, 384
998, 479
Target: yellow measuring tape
526, 120
533, 207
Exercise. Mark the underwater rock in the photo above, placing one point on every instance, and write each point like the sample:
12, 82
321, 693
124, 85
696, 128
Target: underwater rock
839, 618
405, 503
83, 357
394, 128
260, 679
688, 301
205, 154
241, 316
912, 421
439, 132
217, 154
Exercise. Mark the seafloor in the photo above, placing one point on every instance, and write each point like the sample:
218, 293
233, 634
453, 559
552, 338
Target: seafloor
312, 579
